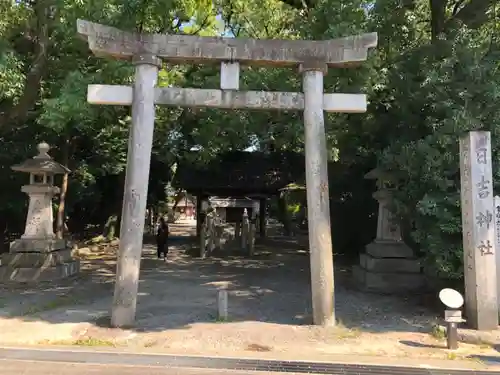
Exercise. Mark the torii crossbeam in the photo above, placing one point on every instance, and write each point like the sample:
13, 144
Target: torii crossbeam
145, 51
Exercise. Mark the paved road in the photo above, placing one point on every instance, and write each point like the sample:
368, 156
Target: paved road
20, 361
10, 367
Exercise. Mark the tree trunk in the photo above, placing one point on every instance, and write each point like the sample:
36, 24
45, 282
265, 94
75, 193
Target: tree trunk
474, 14
300, 4
64, 190
438, 17
34, 76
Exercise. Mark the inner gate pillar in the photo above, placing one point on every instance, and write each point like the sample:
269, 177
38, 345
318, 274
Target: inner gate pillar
136, 190
262, 218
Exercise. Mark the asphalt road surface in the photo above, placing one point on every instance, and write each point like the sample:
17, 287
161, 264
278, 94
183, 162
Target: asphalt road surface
9, 367
20, 361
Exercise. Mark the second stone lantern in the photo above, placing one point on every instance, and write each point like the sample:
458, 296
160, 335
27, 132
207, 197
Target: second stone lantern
388, 265
38, 255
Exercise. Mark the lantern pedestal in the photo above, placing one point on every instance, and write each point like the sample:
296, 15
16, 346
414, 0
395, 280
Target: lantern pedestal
38, 255
38, 264
388, 265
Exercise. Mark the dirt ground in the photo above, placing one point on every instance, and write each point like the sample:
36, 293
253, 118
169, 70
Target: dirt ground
269, 310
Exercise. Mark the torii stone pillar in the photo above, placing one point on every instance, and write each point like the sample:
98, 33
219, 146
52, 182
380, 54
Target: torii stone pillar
318, 199
136, 190
312, 57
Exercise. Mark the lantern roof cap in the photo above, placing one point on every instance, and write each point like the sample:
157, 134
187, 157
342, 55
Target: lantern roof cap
379, 174
41, 163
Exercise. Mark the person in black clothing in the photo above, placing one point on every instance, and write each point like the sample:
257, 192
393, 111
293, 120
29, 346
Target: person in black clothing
162, 239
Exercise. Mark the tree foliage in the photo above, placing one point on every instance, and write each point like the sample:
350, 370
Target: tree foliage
433, 77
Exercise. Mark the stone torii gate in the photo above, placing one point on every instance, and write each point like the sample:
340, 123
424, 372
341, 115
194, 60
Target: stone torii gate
146, 52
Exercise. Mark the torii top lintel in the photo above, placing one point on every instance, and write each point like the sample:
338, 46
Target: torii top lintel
109, 41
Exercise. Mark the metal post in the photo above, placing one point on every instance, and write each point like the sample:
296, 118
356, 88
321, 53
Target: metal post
136, 191
318, 202
452, 335
452, 316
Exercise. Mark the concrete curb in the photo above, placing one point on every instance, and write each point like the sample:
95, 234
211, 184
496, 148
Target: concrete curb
111, 355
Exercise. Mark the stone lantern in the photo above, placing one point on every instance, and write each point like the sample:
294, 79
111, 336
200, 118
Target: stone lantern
38, 255
388, 264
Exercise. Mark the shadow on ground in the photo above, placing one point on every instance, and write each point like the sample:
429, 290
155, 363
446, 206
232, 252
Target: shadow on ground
489, 360
415, 344
272, 287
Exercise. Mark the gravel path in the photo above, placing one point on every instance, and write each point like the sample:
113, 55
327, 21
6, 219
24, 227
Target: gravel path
269, 309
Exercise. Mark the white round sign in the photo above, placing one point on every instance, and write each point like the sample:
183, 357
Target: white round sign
451, 298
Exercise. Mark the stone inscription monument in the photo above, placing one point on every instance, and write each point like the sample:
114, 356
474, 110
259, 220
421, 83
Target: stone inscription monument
497, 244
388, 264
312, 58
38, 255
478, 227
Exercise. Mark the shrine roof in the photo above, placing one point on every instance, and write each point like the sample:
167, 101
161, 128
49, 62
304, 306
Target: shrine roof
241, 173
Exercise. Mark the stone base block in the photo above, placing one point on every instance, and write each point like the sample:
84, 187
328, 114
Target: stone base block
37, 246
30, 274
388, 282
36, 260
388, 249
403, 265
